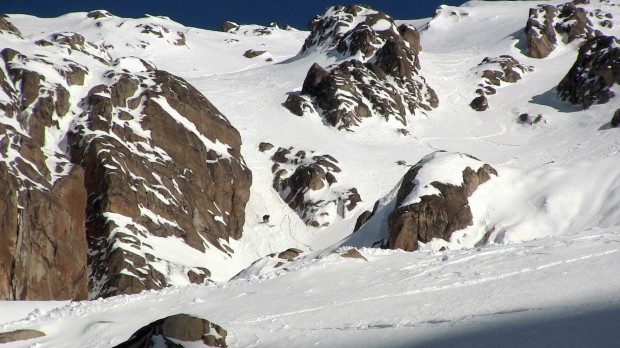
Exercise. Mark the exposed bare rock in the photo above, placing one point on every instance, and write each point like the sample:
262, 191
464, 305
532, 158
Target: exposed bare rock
91, 186
427, 209
308, 183
590, 78
179, 327
496, 71
503, 69
411, 35
142, 186
480, 103
6, 26
274, 262
350, 30
615, 120
299, 105
547, 24
99, 14
253, 53
528, 119
43, 253
262, 147
176, 38
380, 79
353, 254
365, 217
574, 22
290, 254
181, 40
76, 42
20, 335
228, 26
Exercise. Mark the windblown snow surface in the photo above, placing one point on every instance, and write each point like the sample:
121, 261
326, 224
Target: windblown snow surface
549, 274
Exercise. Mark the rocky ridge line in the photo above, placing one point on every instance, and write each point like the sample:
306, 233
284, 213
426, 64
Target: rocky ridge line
378, 77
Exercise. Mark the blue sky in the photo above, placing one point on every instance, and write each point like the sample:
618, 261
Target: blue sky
211, 14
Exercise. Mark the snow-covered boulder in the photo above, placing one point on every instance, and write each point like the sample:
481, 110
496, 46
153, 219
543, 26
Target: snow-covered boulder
379, 76
615, 119
308, 183
432, 199
170, 331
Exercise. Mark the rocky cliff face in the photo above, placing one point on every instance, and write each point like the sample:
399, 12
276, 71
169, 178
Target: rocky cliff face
43, 245
104, 160
161, 162
548, 24
427, 208
308, 183
595, 71
495, 72
378, 77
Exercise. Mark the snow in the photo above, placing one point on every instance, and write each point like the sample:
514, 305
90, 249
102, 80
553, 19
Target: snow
541, 292
443, 167
545, 277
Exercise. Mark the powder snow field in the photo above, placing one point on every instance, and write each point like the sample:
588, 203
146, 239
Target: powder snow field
550, 277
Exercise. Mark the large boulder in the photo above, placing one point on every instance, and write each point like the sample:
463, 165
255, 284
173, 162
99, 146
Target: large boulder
167, 332
20, 335
378, 77
432, 201
494, 72
480, 103
595, 71
308, 183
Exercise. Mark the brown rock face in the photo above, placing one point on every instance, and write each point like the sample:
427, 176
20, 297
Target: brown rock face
436, 215
142, 186
142, 159
615, 120
596, 69
7, 26
539, 31
181, 327
546, 22
308, 183
380, 79
42, 237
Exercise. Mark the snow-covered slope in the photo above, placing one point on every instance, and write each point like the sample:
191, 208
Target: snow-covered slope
538, 266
